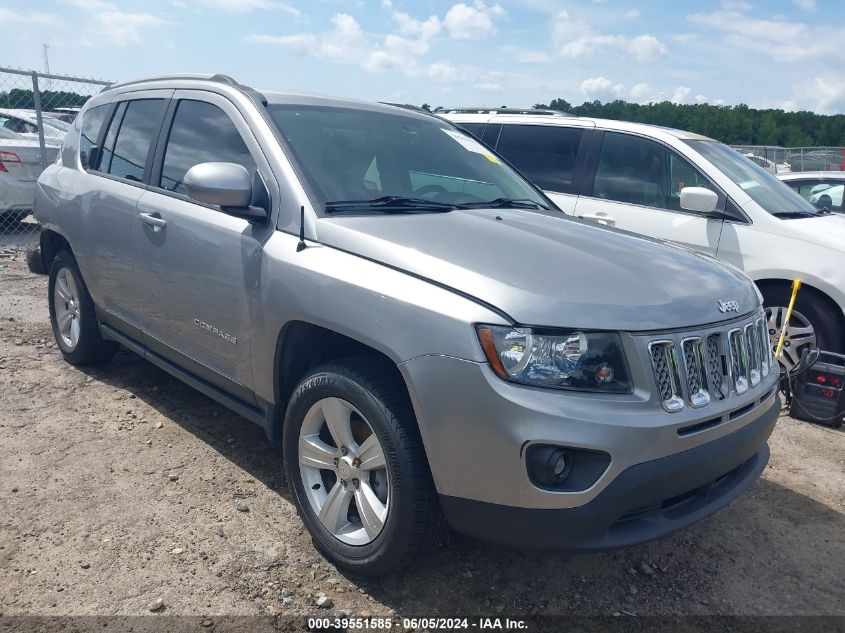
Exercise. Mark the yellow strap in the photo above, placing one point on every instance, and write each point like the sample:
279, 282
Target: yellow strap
796, 284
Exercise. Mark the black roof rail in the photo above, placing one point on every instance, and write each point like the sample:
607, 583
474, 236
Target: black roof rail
503, 111
217, 78
408, 106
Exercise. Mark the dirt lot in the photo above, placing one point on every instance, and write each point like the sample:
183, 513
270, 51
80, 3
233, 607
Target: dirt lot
121, 486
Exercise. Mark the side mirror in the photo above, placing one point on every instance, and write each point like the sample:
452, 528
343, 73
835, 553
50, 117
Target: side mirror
699, 199
226, 185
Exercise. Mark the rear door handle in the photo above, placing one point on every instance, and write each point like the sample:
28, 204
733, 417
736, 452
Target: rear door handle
601, 218
153, 221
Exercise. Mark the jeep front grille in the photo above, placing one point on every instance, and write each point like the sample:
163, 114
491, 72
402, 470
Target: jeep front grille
665, 363
714, 366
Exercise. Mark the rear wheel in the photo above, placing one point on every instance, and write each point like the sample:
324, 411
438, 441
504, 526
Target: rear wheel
73, 317
355, 459
815, 322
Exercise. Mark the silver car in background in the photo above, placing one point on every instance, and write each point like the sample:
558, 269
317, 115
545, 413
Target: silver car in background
426, 334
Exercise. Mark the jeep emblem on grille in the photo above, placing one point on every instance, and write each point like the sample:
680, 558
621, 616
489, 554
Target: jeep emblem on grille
728, 306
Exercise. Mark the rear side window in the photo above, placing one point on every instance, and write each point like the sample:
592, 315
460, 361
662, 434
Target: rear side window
139, 126
544, 153
201, 133
92, 123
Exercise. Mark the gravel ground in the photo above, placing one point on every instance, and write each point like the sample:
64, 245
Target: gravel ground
122, 487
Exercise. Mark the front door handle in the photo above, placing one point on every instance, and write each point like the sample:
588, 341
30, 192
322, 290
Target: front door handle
601, 218
153, 221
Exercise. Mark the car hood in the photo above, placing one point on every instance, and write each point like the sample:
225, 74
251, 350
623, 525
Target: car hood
548, 270
827, 230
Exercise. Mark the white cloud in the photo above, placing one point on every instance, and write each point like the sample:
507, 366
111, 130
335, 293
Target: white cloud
783, 41
646, 48
425, 29
119, 27
33, 18
601, 88
243, 6
807, 5
641, 92
824, 94
348, 43
574, 38
122, 28
685, 38
465, 22
631, 14
681, 94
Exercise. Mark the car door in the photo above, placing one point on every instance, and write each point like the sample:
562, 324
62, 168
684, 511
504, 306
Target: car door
635, 185
548, 155
197, 264
108, 195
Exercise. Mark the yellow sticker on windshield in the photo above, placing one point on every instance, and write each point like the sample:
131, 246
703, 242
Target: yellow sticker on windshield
492, 158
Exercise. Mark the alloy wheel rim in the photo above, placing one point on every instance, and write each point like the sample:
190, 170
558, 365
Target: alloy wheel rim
344, 471
68, 310
800, 335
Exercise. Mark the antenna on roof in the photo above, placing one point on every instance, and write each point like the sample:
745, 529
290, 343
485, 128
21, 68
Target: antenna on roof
302, 245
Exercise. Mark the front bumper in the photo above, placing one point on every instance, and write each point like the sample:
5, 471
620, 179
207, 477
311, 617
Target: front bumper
645, 502
476, 429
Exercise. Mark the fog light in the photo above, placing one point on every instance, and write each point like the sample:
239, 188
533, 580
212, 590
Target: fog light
564, 468
549, 465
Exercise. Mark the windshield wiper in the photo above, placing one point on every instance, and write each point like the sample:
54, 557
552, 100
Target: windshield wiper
795, 214
389, 204
505, 203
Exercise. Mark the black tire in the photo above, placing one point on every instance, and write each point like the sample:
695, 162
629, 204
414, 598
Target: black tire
414, 518
34, 261
91, 348
822, 314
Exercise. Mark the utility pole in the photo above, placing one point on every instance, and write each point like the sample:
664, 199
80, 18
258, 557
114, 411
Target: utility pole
46, 49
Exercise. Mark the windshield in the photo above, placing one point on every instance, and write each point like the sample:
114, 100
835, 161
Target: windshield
763, 188
352, 154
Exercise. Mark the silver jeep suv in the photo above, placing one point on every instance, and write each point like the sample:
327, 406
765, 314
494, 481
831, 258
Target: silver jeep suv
424, 331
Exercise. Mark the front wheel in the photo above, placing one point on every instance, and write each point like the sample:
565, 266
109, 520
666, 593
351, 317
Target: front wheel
355, 459
815, 322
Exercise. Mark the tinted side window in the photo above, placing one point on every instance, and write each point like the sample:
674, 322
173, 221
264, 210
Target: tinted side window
92, 123
201, 133
139, 125
546, 154
639, 171
476, 129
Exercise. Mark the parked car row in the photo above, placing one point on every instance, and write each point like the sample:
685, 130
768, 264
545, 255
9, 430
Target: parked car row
420, 326
691, 190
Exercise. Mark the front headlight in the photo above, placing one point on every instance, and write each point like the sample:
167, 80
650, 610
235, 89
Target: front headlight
584, 361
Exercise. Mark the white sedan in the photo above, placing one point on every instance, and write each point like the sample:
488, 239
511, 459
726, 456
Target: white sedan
20, 166
822, 189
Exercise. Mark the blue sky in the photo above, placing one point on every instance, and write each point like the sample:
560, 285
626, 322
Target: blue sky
766, 53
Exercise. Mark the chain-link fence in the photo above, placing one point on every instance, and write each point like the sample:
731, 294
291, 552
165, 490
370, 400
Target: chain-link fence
36, 111
778, 160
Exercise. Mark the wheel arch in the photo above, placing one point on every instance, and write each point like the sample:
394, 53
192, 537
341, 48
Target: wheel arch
300, 346
806, 287
52, 242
